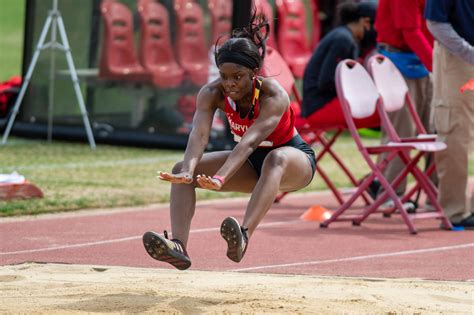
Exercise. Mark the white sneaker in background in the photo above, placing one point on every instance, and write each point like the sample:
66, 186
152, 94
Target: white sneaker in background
408, 206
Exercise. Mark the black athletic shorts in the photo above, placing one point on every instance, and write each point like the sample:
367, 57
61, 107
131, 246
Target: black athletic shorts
258, 156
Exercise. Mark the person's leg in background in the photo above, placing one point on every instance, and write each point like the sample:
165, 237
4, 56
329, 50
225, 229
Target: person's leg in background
424, 96
404, 127
454, 122
470, 169
421, 93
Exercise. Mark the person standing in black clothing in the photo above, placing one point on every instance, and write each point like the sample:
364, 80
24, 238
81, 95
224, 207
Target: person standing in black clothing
320, 104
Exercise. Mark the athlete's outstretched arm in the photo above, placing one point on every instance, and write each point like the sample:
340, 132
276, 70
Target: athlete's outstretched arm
198, 138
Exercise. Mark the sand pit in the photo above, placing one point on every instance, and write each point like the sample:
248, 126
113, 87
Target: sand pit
73, 289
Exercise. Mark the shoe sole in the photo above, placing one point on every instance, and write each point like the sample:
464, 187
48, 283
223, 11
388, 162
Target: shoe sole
230, 232
157, 248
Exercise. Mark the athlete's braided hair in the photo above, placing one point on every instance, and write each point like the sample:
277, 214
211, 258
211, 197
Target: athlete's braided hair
249, 40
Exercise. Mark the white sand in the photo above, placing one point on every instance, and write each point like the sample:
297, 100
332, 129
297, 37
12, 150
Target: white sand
73, 289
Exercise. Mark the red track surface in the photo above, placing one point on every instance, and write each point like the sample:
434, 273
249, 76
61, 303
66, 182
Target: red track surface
380, 247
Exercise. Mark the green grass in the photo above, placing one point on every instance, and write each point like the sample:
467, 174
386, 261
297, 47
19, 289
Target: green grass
74, 177
11, 37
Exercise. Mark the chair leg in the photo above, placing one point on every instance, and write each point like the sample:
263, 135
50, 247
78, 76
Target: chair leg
428, 187
279, 197
434, 201
398, 204
417, 187
399, 179
330, 184
371, 209
361, 189
327, 144
388, 190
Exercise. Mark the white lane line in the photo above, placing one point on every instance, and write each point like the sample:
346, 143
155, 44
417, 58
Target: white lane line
337, 260
126, 239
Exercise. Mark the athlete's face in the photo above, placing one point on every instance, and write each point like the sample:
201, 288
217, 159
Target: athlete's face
236, 80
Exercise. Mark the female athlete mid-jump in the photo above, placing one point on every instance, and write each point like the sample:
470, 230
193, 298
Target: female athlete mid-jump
269, 156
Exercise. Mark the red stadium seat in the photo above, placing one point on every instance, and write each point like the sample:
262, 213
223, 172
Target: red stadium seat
292, 38
156, 51
118, 60
316, 35
8, 93
263, 7
191, 47
221, 17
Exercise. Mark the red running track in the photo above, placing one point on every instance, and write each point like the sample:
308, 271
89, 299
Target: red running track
380, 247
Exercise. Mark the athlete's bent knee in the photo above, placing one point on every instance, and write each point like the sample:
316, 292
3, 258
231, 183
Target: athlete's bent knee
276, 159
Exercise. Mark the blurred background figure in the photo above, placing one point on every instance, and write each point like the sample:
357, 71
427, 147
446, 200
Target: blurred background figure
355, 34
452, 24
403, 37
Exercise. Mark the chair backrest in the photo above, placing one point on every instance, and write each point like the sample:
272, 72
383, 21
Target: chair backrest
389, 81
221, 17
355, 89
190, 37
274, 66
316, 36
191, 47
357, 95
155, 40
264, 8
392, 88
118, 49
292, 36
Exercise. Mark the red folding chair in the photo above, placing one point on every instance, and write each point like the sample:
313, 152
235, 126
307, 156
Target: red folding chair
316, 36
118, 59
351, 79
156, 53
191, 45
394, 92
276, 67
221, 18
292, 37
8, 93
264, 8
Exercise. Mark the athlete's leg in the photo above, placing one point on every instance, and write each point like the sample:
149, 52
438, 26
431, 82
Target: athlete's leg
183, 196
284, 169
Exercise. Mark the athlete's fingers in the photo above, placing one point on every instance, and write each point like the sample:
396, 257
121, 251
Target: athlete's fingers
175, 178
202, 181
208, 182
164, 175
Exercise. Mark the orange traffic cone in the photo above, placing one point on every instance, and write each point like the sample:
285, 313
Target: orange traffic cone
468, 86
316, 213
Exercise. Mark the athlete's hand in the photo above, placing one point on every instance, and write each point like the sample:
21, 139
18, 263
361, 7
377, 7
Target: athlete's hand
180, 178
207, 182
